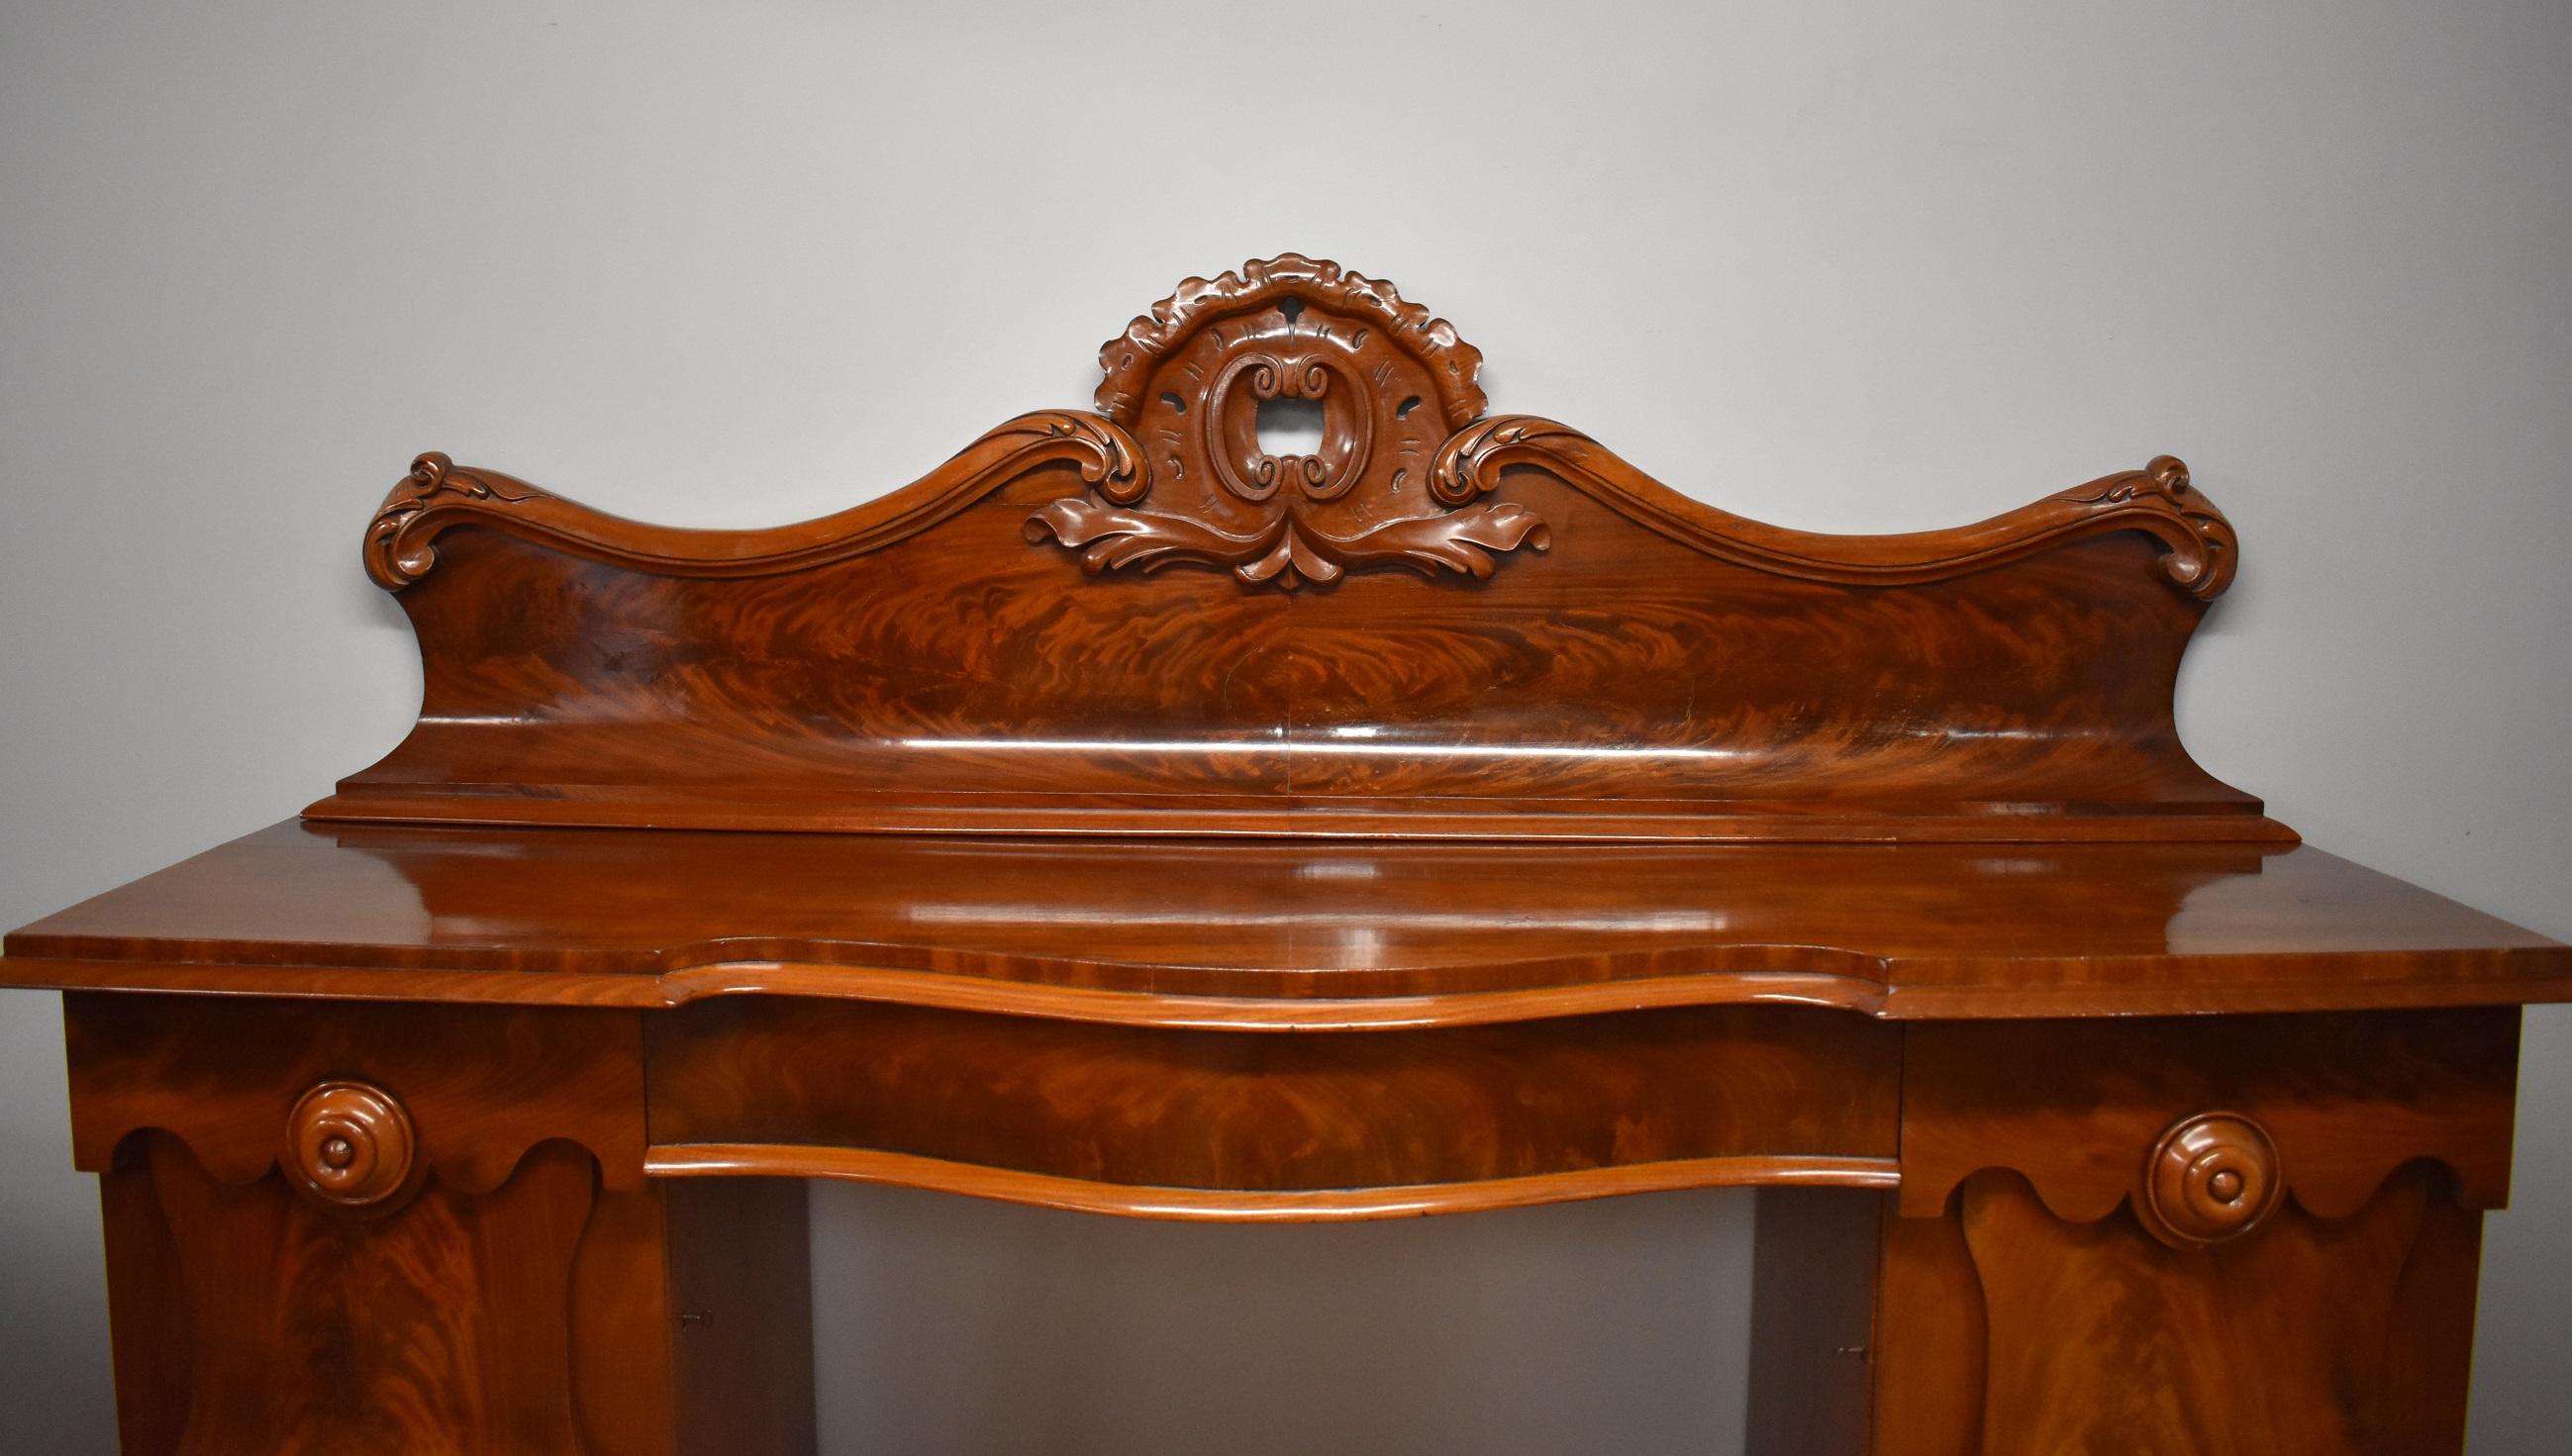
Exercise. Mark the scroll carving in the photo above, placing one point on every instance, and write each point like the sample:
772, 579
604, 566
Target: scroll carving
936, 662
1288, 550
1389, 382
398, 551
1131, 358
1176, 470
2200, 552
439, 494
2201, 548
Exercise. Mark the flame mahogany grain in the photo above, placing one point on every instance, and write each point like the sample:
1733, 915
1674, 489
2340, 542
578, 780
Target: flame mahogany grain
353, 1335
2346, 1099
1141, 815
2025, 1304
523, 1291
2320, 1339
1396, 1122
1138, 620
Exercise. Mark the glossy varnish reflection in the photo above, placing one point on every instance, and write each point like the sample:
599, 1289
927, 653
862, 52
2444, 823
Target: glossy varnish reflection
1287, 934
1140, 620
1215, 1124
1138, 816
358, 1335
2027, 1301
519, 1290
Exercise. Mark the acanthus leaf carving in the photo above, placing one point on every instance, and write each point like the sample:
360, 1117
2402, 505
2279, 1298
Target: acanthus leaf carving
1467, 465
1131, 360
1291, 328
1289, 551
2202, 550
438, 495
2200, 554
1110, 538
1395, 480
397, 552
1105, 454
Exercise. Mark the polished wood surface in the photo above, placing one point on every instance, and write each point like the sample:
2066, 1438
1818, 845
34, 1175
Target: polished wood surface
513, 1285
480, 1084
1029, 640
1211, 1124
2002, 1328
450, 1323
2318, 1340
2081, 1109
1143, 815
2254, 1234
1285, 935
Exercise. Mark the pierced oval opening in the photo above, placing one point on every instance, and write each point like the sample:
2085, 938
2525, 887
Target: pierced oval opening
1177, 404
1290, 428
1409, 403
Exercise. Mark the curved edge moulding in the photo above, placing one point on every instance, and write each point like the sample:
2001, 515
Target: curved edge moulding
1159, 619
1286, 1206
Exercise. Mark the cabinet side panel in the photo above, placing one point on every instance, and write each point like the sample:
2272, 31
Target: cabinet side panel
1929, 1342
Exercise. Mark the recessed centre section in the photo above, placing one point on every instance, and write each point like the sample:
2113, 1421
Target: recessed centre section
1290, 426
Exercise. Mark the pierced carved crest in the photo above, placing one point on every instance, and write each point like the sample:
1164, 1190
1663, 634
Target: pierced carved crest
1390, 385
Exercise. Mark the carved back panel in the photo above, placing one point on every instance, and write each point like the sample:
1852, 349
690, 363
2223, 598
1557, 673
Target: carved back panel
1432, 622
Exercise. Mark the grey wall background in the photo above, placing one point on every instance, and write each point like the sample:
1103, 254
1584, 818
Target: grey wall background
1861, 266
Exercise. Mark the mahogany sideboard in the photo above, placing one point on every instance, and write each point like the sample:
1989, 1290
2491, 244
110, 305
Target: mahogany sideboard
1138, 816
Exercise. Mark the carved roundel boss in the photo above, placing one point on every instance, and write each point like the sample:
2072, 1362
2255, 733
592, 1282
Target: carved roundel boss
1394, 387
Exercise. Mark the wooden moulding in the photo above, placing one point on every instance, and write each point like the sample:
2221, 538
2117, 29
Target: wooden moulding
1207, 1126
1286, 937
2274, 1219
2331, 1106
336, 1228
1437, 624
1230, 1206
474, 1087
